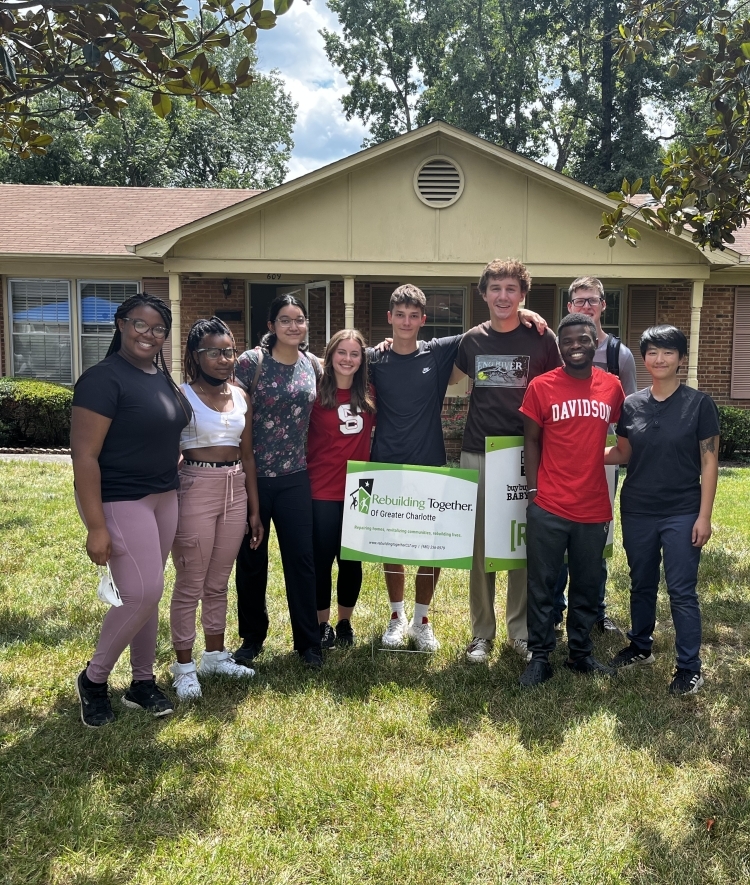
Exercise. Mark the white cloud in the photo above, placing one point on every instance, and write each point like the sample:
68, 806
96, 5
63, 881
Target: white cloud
322, 133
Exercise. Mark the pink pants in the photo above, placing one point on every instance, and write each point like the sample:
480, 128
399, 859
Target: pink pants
212, 522
142, 532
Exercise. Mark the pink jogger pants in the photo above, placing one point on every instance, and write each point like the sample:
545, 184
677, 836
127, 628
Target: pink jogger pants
212, 521
142, 532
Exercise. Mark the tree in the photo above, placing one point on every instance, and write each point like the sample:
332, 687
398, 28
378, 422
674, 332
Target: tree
704, 185
90, 58
535, 76
247, 144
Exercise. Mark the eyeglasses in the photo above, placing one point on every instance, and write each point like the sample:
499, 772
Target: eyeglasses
142, 327
229, 353
285, 322
581, 302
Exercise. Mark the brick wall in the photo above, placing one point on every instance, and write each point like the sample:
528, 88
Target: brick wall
203, 297
717, 322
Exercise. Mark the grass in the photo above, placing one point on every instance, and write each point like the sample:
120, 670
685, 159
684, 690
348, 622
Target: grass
384, 768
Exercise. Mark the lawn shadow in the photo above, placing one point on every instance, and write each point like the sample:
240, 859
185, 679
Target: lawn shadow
44, 628
104, 788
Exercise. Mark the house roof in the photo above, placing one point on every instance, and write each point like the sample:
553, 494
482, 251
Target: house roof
79, 220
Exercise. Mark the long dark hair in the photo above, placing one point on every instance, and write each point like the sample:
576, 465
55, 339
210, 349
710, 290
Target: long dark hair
268, 341
361, 398
197, 333
143, 299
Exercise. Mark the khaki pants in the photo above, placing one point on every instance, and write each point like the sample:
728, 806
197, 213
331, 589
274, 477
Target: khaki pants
482, 584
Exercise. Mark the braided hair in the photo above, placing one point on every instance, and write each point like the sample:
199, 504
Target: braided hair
197, 333
142, 299
268, 341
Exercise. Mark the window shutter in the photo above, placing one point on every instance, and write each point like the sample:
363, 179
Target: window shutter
740, 388
479, 310
641, 315
380, 298
40, 317
159, 286
542, 300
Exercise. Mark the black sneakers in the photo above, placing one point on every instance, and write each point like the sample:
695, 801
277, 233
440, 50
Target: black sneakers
312, 657
535, 673
96, 709
145, 695
247, 653
632, 656
345, 635
607, 625
589, 666
685, 682
327, 635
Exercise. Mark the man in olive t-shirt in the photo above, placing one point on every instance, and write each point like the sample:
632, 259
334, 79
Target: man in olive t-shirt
501, 357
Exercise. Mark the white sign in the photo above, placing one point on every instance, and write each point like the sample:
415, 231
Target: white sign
410, 515
506, 500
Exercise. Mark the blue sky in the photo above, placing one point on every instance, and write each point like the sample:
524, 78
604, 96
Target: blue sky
294, 47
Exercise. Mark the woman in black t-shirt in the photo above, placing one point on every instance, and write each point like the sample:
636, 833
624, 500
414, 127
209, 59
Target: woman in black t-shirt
127, 418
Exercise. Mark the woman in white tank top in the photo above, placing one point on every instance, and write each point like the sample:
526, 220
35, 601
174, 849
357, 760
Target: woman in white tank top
218, 504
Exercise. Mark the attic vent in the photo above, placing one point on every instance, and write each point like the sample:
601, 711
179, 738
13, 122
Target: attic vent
439, 182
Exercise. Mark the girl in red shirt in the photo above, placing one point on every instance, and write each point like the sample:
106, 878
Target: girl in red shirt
340, 430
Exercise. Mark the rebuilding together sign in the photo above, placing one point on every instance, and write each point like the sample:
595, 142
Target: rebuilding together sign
410, 515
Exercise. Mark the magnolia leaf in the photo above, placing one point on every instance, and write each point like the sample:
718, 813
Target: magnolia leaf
189, 35
636, 186
250, 33
255, 8
281, 6
266, 20
179, 87
41, 141
745, 49
162, 104
242, 68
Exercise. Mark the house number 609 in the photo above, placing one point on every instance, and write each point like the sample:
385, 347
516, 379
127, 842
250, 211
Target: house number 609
273, 276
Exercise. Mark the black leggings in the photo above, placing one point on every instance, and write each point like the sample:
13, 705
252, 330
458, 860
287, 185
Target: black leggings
285, 500
327, 519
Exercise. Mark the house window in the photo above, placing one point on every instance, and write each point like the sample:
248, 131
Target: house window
40, 323
612, 316
445, 313
99, 300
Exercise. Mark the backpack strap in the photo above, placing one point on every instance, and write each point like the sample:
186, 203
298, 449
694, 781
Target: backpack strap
256, 376
613, 355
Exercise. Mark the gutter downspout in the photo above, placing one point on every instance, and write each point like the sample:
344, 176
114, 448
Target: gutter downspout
175, 297
348, 302
696, 303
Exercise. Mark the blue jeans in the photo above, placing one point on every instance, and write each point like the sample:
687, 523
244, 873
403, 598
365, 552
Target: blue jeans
646, 538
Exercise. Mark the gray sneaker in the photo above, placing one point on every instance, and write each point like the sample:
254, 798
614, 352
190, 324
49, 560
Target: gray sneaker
521, 648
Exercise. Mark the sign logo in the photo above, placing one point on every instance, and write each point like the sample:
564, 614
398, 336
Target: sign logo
362, 497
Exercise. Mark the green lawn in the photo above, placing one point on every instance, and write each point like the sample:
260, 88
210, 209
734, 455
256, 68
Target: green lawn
384, 768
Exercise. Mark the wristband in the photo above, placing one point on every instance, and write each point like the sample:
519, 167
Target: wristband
531, 490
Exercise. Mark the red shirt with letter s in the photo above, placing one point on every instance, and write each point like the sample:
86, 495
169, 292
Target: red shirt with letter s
335, 437
575, 415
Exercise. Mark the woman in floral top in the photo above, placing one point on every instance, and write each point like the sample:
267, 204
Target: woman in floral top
281, 378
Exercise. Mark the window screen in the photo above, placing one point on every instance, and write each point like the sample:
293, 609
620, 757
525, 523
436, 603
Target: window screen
40, 322
445, 313
99, 301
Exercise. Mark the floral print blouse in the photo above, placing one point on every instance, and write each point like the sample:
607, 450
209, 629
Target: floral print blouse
282, 403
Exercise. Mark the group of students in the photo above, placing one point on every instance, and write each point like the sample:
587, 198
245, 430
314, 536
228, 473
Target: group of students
203, 468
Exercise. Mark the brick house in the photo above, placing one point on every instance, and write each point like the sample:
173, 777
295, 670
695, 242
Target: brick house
430, 207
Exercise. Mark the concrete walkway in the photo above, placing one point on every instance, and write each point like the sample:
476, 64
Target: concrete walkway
59, 459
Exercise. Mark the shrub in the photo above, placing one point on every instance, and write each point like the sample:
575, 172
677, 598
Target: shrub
34, 413
734, 427
453, 416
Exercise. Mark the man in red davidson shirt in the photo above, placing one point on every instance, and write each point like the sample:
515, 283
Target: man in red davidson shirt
567, 413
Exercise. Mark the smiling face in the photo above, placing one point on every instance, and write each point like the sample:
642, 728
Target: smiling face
220, 366
503, 296
406, 320
577, 346
594, 306
663, 363
290, 326
140, 347
347, 358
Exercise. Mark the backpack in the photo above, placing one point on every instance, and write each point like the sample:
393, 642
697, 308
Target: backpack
256, 376
613, 355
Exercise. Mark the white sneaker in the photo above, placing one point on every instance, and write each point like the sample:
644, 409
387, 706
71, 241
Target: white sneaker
521, 648
186, 683
478, 651
395, 634
221, 663
423, 637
